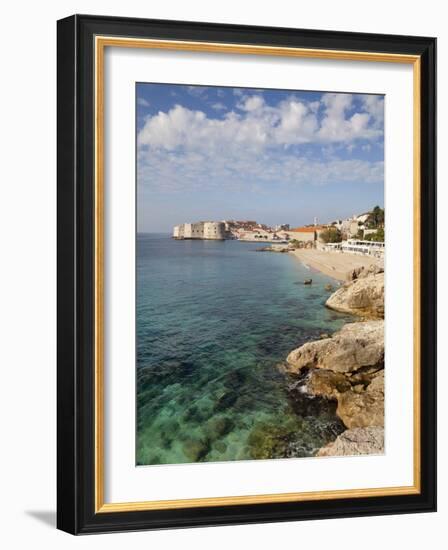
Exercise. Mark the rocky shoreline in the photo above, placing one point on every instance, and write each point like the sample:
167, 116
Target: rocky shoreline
347, 368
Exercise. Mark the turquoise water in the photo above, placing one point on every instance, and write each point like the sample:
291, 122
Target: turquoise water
214, 321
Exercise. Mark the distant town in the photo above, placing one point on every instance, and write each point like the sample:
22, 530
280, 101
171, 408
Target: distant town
360, 234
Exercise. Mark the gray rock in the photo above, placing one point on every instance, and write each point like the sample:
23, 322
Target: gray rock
359, 409
371, 270
363, 296
355, 346
347, 368
357, 441
326, 383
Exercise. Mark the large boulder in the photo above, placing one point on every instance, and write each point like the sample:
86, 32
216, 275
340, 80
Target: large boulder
360, 397
357, 441
361, 407
362, 272
347, 368
355, 346
326, 383
363, 296
373, 269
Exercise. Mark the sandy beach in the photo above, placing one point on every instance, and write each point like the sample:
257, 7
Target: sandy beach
335, 264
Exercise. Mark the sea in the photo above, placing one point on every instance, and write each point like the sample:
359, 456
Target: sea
215, 323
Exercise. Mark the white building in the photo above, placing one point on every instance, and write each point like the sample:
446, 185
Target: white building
349, 226
194, 230
363, 218
370, 248
200, 230
214, 230
178, 231
282, 227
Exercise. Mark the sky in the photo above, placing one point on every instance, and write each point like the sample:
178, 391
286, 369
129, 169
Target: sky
275, 156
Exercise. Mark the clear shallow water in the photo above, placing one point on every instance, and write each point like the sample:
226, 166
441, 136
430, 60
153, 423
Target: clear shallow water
214, 320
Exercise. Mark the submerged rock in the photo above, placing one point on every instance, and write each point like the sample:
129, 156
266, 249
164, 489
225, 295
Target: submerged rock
357, 441
267, 441
218, 426
363, 296
221, 447
195, 449
309, 404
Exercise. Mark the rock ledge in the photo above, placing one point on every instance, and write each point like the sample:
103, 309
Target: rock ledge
358, 441
363, 296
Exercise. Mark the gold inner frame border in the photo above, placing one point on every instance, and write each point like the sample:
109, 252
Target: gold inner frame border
101, 42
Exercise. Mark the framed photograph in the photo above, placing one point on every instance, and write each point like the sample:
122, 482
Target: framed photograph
246, 274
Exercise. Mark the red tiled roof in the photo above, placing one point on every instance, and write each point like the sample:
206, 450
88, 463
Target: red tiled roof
304, 229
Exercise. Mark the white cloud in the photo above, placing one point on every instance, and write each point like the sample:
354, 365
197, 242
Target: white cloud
171, 172
261, 143
337, 125
197, 91
374, 105
290, 122
218, 106
193, 130
296, 124
142, 102
251, 103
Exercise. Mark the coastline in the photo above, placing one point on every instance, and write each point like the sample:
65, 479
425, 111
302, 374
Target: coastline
331, 397
335, 264
347, 367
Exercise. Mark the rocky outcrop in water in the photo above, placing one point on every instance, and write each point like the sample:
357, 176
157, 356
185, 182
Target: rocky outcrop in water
357, 441
347, 368
363, 405
356, 346
362, 296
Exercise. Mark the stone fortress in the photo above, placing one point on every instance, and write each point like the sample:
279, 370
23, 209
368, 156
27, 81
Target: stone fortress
200, 230
352, 234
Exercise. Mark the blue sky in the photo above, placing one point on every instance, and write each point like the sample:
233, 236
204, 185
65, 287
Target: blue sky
277, 156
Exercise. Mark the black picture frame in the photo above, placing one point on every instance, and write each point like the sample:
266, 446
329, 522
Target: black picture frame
76, 263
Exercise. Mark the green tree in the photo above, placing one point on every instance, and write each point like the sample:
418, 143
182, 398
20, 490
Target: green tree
331, 235
376, 218
377, 237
